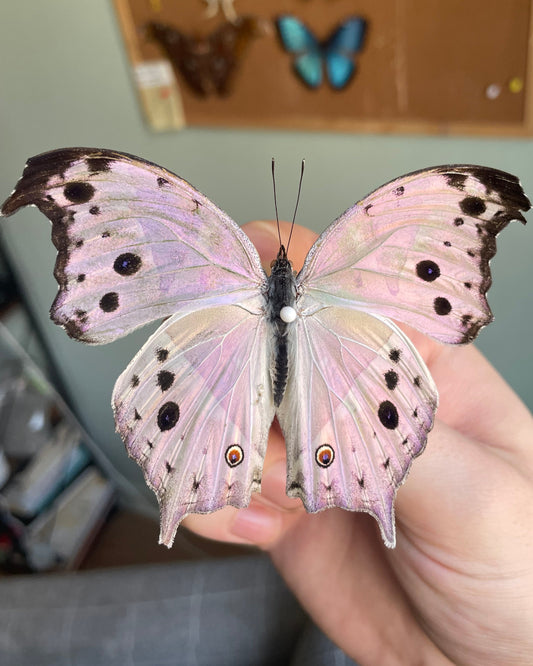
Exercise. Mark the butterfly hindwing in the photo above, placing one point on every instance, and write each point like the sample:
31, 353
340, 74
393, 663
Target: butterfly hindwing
135, 242
418, 249
361, 416
194, 408
345, 42
336, 53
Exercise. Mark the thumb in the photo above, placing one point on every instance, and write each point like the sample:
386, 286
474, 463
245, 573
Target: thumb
264, 235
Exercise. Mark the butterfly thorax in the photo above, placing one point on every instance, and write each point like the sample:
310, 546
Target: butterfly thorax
281, 294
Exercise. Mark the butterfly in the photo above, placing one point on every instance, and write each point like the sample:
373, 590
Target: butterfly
335, 54
206, 64
317, 349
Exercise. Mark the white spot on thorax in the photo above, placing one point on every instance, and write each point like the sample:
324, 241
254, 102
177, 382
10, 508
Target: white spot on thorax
287, 314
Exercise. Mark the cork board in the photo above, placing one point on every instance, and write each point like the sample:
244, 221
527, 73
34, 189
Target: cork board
435, 66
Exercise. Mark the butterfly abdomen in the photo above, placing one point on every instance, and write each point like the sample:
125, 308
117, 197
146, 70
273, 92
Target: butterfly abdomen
281, 294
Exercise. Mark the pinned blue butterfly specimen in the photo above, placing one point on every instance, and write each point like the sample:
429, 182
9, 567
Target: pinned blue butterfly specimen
336, 54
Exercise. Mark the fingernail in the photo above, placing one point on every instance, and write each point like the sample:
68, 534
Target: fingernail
257, 524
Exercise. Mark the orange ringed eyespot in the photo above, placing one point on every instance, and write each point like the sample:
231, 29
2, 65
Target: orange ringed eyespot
234, 455
325, 455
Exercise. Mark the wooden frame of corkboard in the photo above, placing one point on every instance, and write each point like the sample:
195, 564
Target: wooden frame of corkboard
427, 66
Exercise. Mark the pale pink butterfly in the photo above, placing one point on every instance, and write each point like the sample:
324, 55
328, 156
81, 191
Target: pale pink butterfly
318, 349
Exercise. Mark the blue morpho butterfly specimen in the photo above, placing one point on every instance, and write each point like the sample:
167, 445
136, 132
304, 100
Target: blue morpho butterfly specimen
335, 54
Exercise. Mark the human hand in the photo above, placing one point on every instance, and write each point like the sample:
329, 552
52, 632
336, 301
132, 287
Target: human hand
458, 587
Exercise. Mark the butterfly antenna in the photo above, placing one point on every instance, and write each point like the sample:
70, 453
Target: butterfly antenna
275, 199
297, 202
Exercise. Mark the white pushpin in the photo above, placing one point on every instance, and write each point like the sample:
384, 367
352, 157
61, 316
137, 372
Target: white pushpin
287, 314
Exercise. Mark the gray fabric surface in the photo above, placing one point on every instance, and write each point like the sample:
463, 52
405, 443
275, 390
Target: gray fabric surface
211, 612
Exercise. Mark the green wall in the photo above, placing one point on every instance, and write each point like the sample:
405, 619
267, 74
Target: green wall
65, 81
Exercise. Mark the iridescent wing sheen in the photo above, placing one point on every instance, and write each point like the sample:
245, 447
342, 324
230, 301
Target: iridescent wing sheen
135, 242
358, 406
194, 408
418, 249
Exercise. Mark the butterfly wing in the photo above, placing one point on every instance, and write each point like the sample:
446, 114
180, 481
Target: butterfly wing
228, 45
194, 408
357, 409
418, 250
340, 49
135, 242
187, 55
297, 39
206, 63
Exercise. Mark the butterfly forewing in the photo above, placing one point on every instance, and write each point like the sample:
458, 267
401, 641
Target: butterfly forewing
135, 242
194, 408
363, 413
418, 250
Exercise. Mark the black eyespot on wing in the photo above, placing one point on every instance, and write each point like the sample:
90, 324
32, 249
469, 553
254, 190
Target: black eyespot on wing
134, 381
399, 191
81, 277
109, 302
106, 234
165, 379
447, 243
94, 210
471, 253
127, 264
391, 379
361, 482
78, 192
161, 354
468, 285
442, 306
458, 221
427, 270
79, 243
388, 415
473, 206
168, 416
162, 181
395, 355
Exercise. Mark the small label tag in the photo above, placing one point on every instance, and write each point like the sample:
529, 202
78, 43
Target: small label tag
154, 74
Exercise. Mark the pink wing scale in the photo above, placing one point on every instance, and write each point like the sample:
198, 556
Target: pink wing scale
215, 373
418, 250
179, 252
369, 396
